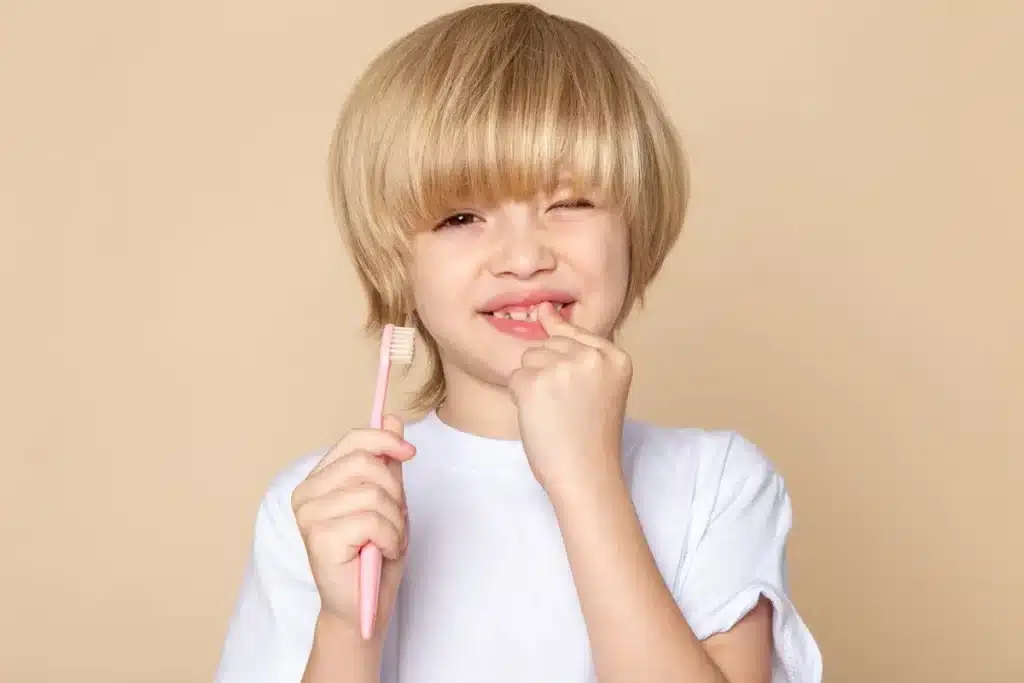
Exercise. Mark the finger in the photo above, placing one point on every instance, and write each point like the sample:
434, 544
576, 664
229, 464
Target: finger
556, 325
519, 379
563, 345
394, 425
365, 497
350, 471
339, 539
365, 468
537, 357
378, 441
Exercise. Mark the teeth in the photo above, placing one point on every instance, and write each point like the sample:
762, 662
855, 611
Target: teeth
520, 315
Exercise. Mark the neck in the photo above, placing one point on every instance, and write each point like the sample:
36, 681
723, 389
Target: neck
479, 408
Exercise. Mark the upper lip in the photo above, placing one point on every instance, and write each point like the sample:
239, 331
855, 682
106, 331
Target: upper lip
527, 299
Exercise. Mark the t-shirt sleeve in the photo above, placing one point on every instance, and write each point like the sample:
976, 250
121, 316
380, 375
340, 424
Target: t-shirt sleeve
270, 633
739, 554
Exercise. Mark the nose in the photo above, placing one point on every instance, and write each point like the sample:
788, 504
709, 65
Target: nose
522, 249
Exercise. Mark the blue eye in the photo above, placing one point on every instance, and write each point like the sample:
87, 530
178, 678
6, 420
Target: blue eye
456, 220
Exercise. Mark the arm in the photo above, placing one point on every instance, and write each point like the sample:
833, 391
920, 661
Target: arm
340, 655
712, 625
637, 630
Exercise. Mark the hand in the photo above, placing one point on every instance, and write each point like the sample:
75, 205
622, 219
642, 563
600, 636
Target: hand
571, 393
354, 495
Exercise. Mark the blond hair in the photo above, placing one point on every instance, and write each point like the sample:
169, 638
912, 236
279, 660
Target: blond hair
494, 102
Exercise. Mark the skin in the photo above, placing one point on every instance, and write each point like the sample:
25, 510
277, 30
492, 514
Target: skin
565, 397
555, 242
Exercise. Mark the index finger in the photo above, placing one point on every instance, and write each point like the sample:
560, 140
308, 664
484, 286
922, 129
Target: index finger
555, 324
378, 441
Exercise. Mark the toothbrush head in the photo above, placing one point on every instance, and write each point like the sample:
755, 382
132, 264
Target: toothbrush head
402, 345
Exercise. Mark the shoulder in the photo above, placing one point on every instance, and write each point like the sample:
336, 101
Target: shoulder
718, 516
278, 492
719, 460
275, 531
700, 478
272, 624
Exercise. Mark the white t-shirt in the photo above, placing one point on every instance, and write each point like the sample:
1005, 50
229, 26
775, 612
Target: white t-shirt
487, 595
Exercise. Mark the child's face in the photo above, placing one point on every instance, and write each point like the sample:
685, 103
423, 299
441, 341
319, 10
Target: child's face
565, 248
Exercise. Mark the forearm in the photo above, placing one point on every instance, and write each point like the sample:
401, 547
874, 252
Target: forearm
340, 655
635, 627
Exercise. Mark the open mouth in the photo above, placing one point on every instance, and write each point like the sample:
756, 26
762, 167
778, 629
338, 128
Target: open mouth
520, 320
525, 314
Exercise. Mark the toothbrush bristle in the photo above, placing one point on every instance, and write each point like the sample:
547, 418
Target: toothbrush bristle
402, 345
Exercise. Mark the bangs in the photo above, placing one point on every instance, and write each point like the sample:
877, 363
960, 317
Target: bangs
503, 114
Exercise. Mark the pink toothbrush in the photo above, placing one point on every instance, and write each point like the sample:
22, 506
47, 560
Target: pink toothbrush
396, 346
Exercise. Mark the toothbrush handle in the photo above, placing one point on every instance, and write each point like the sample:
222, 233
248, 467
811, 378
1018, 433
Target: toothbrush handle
370, 559
370, 563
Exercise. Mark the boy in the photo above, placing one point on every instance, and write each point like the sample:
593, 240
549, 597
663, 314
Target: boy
508, 184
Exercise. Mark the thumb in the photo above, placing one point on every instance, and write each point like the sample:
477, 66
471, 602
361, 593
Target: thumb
394, 424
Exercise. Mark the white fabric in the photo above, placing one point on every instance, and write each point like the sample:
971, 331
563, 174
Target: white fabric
488, 594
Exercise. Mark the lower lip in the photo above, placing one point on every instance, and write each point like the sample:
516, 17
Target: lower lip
526, 330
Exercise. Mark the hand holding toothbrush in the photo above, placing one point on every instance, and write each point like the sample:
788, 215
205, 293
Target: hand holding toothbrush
571, 392
354, 496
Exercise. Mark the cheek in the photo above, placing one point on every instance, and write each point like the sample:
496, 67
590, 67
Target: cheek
619, 264
607, 275
436, 290
610, 266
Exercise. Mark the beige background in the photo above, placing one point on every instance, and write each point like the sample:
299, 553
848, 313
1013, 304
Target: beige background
180, 321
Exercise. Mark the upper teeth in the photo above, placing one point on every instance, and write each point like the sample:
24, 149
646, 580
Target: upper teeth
523, 315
